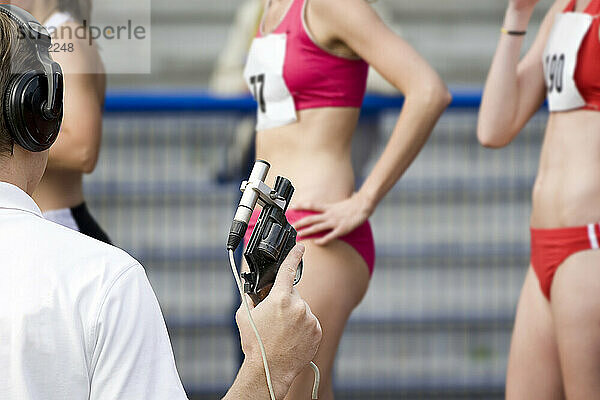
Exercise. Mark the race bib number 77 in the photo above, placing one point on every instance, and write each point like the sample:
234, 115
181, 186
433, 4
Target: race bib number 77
264, 77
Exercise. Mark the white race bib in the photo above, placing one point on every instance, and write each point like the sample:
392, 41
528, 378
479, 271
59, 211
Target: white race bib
560, 60
264, 77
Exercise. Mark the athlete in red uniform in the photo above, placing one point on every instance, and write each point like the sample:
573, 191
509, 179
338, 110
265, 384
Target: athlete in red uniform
307, 69
555, 350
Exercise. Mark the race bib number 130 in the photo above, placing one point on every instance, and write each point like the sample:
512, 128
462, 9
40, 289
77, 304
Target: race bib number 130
560, 60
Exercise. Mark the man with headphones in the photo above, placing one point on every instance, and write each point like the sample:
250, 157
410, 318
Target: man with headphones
78, 317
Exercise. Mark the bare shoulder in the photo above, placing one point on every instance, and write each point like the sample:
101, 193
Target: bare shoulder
557, 7
339, 25
561, 3
75, 50
341, 17
340, 8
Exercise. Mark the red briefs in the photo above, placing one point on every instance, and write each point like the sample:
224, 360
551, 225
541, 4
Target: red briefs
361, 239
551, 247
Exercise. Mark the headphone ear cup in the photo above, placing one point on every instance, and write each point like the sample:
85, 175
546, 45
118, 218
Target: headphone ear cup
24, 102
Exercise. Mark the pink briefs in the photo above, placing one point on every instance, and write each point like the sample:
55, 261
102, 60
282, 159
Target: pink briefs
361, 239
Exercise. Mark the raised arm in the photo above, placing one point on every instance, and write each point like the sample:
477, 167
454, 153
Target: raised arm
78, 144
515, 89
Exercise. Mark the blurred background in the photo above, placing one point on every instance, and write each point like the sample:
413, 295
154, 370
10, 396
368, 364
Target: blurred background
452, 237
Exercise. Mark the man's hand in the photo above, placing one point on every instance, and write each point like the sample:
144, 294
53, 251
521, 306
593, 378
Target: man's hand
289, 330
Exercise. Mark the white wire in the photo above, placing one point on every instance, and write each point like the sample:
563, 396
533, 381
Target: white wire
260, 343
315, 392
317, 382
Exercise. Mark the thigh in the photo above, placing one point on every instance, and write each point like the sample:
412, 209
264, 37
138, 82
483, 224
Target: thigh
334, 282
576, 311
533, 364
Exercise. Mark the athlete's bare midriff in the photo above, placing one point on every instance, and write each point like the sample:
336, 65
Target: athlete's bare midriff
567, 188
59, 189
63, 188
314, 153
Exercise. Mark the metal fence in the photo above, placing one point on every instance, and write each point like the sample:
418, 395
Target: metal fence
452, 243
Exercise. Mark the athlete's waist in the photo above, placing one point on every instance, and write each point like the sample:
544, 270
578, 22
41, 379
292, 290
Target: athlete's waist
315, 180
54, 193
59, 203
567, 187
578, 119
560, 201
571, 148
319, 122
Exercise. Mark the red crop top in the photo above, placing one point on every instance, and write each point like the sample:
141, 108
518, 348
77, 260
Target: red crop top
314, 77
587, 73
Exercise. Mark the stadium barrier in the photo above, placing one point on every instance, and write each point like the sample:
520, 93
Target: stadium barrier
451, 236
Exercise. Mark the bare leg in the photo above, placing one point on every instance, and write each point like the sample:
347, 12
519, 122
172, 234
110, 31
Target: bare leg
576, 311
334, 282
533, 365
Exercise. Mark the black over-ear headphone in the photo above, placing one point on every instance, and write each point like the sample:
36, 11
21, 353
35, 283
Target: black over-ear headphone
33, 101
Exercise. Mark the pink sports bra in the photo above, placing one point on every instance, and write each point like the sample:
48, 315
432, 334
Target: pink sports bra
312, 76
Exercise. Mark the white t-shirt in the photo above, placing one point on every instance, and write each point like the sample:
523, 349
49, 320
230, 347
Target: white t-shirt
78, 318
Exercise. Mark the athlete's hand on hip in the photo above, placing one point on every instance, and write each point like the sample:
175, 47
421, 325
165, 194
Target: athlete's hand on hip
339, 218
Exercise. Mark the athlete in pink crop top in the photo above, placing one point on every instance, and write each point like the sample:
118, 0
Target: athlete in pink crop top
555, 351
299, 74
314, 77
307, 69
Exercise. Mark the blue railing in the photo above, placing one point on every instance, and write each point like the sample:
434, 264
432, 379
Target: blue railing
169, 104
190, 100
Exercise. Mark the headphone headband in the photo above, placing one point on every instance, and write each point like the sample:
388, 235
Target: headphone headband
37, 35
